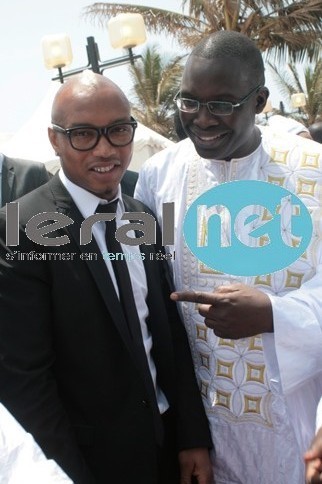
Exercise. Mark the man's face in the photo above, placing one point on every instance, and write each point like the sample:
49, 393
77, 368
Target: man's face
100, 169
214, 136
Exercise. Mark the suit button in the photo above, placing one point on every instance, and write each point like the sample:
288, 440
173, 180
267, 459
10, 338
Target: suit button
145, 403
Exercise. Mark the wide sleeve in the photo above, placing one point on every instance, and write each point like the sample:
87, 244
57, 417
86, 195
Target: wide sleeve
297, 338
21, 459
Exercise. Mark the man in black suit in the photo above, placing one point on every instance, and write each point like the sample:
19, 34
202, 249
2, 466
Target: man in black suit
71, 368
19, 177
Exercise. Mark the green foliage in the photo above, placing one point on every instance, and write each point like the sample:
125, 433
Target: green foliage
156, 80
281, 28
284, 30
289, 82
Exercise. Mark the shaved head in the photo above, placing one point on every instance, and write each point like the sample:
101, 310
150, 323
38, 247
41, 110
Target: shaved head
230, 45
81, 88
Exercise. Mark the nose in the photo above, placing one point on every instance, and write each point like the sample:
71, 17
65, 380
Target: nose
104, 148
204, 118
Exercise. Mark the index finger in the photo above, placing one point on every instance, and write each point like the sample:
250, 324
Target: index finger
194, 297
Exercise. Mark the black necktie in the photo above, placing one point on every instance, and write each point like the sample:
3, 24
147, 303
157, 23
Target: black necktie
120, 270
129, 308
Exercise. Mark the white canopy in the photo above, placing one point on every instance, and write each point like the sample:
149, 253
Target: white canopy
31, 141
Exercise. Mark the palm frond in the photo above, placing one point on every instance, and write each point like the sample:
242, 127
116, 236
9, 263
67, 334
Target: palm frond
156, 20
155, 79
289, 82
281, 28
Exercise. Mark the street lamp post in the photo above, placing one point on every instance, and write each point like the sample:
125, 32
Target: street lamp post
298, 100
125, 31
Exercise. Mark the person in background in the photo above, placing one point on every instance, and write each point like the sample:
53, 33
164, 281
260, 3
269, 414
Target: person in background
21, 459
313, 456
257, 340
94, 359
19, 177
290, 125
128, 182
316, 131
313, 460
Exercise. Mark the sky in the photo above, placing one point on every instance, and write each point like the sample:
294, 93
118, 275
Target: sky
24, 80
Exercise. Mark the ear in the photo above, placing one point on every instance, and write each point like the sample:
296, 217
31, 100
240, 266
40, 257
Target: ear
261, 99
52, 135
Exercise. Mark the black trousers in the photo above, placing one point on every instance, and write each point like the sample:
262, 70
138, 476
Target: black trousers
168, 455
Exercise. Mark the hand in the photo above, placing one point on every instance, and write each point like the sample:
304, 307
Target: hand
195, 462
235, 311
313, 460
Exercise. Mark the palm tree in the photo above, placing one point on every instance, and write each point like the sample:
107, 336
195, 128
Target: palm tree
289, 82
281, 28
155, 83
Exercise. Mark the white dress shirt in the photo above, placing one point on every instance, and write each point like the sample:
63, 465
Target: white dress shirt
87, 203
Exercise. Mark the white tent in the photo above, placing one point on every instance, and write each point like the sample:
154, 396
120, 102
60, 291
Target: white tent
31, 141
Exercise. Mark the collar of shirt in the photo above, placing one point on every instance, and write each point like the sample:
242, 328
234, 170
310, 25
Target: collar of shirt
86, 201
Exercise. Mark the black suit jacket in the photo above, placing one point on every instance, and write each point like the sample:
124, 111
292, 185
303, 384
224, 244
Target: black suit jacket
128, 182
67, 368
20, 177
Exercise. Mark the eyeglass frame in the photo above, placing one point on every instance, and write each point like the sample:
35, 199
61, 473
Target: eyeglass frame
233, 106
100, 132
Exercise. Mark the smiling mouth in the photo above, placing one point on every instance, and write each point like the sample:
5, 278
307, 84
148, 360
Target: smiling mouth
209, 139
103, 169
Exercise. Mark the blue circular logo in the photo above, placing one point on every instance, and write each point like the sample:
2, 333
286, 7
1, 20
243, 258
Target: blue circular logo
247, 228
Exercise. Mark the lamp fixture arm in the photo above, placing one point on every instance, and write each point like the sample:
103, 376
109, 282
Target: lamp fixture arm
94, 61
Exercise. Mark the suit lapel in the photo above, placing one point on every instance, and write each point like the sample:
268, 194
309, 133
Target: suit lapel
132, 205
97, 268
7, 181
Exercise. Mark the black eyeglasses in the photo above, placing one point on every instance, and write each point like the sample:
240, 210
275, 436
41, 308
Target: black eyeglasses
218, 108
84, 138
